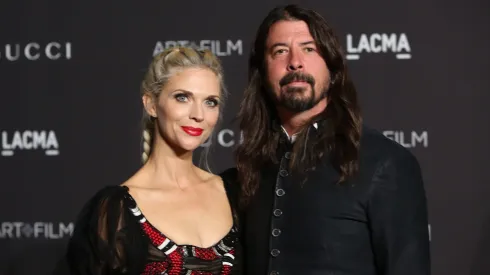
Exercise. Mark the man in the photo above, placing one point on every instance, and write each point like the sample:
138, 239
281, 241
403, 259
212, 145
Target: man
320, 192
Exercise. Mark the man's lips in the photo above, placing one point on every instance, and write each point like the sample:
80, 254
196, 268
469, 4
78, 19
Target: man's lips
297, 83
192, 130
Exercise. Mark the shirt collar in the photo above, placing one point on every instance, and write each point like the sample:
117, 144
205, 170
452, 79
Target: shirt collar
292, 138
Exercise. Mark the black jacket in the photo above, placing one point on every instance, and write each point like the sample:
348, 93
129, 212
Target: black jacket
373, 224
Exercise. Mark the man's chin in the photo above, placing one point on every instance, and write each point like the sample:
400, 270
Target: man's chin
296, 106
296, 90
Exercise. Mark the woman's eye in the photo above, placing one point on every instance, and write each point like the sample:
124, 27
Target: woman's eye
181, 97
212, 102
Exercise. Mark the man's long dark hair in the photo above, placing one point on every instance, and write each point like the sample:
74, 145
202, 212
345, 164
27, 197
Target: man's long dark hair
340, 130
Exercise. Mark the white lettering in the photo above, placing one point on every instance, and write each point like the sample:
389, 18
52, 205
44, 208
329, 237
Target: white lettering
414, 140
66, 230
403, 44
27, 51
206, 45
17, 141
8, 52
378, 43
17, 226
34, 51
363, 45
389, 42
7, 229
221, 138
219, 48
30, 140
36, 230
26, 143
68, 50
39, 228
350, 48
375, 37
158, 48
423, 138
39, 139
52, 234
5, 144
49, 50
52, 142
238, 47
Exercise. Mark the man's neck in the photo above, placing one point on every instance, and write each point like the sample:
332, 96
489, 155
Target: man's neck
293, 122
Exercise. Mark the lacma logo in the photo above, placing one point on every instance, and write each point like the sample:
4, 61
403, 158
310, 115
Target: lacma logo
377, 43
408, 140
29, 140
218, 47
36, 230
36, 51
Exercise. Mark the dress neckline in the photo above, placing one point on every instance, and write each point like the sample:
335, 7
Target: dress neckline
143, 219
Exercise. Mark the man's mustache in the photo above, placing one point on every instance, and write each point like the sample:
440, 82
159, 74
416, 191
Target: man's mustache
292, 77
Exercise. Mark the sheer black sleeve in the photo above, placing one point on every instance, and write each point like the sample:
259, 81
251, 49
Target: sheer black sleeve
106, 239
232, 187
399, 219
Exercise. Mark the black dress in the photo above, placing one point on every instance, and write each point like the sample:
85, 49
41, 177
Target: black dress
112, 236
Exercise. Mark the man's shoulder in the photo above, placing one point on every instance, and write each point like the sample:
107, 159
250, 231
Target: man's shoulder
376, 146
229, 174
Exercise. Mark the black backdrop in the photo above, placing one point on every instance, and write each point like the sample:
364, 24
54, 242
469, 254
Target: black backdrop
70, 106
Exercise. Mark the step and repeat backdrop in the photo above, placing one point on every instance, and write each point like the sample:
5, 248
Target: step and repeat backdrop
70, 107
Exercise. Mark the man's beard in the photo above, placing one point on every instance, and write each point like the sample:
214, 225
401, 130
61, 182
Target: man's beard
293, 98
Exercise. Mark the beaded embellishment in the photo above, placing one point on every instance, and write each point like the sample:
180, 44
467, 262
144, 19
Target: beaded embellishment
175, 263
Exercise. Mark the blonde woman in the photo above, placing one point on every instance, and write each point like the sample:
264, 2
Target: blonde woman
170, 217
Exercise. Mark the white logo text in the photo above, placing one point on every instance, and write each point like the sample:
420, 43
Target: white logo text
46, 230
30, 140
378, 43
219, 48
408, 140
35, 51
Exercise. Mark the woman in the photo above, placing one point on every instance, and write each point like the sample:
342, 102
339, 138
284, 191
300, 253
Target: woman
170, 217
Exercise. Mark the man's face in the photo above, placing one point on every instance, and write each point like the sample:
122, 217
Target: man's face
297, 75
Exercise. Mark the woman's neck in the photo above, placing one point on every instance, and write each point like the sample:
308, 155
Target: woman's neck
167, 167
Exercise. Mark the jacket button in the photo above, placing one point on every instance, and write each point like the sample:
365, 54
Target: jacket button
283, 173
275, 252
277, 212
280, 192
276, 232
287, 155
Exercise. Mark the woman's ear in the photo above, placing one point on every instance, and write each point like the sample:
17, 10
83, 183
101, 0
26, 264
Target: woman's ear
149, 104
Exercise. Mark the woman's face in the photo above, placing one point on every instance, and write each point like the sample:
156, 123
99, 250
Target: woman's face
187, 108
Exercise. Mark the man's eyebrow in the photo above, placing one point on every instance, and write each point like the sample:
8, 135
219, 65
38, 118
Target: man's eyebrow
307, 43
285, 44
278, 44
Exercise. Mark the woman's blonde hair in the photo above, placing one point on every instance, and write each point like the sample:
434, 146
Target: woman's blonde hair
161, 69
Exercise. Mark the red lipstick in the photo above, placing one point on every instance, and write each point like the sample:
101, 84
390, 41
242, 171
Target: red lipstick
192, 131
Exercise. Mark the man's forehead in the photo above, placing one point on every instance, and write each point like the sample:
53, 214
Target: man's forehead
289, 32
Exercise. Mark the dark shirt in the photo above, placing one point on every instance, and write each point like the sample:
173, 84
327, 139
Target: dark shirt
112, 236
373, 224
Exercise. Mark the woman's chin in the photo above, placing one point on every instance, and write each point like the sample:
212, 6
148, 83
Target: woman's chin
189, 145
